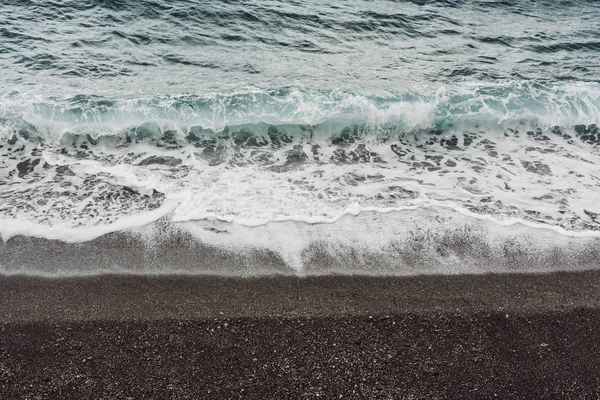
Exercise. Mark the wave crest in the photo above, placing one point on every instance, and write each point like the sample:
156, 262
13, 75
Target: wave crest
509, 106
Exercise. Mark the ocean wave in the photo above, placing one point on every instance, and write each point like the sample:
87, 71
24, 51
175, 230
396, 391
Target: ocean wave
517, 105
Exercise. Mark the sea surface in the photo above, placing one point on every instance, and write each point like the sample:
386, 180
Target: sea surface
233, 115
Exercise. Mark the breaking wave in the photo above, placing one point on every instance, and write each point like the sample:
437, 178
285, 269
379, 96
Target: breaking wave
518, 105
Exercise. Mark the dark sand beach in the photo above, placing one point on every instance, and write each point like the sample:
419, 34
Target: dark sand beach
186, 337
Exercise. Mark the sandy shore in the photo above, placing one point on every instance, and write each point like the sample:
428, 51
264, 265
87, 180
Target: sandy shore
505, 336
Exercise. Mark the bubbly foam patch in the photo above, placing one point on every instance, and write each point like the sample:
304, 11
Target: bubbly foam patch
267, 174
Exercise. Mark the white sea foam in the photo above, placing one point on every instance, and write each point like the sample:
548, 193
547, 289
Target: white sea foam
10, 227
550, 182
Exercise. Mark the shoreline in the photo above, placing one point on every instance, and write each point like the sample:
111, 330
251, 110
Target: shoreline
362, 245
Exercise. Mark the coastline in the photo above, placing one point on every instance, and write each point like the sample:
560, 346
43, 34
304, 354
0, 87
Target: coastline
418, 242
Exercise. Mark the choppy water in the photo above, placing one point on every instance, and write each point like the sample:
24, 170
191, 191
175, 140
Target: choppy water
263, 111
126, 48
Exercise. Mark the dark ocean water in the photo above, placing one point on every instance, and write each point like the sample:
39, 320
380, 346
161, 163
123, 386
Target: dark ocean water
282, 110
127, 48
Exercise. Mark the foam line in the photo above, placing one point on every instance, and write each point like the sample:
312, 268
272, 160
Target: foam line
10, 227
13, 227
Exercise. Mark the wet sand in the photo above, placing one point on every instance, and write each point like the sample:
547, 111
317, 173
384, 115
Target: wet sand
505, 336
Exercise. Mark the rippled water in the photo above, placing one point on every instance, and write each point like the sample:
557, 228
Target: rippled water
124, 48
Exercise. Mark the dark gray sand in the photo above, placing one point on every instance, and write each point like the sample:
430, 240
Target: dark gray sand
113, 337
